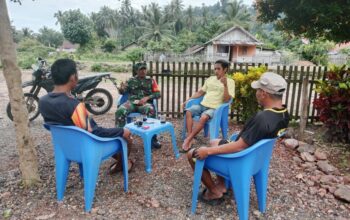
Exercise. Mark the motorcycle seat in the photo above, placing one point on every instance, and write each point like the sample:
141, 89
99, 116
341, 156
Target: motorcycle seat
86, 78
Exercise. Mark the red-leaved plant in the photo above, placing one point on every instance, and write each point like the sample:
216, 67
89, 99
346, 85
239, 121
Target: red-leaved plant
333, 103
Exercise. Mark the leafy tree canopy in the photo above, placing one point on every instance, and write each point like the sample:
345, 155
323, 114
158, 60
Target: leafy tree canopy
76, 27
184, 40
311, 19
316, 51
50, 37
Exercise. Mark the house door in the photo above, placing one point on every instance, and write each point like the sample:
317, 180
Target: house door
233, 53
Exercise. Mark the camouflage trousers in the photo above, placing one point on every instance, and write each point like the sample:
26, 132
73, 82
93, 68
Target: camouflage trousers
127, 108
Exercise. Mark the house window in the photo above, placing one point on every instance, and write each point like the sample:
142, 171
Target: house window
222, 49
244, 50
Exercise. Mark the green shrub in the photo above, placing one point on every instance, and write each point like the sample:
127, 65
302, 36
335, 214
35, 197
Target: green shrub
97, 67
245, 103
102, 57
135, 54
120, 69
28, 52
109, 45
62, 54
27, 44
26, 61
102, 67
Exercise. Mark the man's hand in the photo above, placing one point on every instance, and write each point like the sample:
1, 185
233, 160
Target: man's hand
223, 80
201, 153
143, 100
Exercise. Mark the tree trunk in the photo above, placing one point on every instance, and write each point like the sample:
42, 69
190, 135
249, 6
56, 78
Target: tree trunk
27, 153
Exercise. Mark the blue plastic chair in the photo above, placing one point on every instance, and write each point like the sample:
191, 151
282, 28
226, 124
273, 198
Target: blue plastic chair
219, 120
73, 144
237, 169
124, 98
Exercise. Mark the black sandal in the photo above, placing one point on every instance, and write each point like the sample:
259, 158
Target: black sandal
183, 151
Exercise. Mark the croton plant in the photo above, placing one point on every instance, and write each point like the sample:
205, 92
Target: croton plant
333, 103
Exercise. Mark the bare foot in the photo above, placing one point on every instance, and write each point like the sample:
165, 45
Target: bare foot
210, 195
221, 188
187, 144
221, 185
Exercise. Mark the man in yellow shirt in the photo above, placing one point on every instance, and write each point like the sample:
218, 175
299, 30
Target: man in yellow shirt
216, 90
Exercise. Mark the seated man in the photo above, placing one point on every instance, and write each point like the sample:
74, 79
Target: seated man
216, 90
60, 107
264, 124
142, 90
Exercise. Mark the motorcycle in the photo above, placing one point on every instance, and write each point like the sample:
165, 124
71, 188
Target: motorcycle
97, 100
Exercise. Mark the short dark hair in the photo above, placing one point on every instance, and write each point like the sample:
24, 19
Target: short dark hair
276, 96
62, 70
224, 63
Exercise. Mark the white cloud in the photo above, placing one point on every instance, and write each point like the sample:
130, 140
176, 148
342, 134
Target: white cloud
39, 13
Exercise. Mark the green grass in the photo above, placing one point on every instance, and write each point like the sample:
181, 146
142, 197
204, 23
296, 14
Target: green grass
103, 67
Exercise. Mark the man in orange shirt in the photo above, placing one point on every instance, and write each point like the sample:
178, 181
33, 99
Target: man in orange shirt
60, 107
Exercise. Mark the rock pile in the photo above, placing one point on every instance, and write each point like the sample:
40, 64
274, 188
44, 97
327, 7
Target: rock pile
325, 179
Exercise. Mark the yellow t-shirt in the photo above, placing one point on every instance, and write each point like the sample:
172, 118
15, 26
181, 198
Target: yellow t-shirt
214, 92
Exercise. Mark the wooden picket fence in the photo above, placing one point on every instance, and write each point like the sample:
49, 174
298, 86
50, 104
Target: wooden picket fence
178, 81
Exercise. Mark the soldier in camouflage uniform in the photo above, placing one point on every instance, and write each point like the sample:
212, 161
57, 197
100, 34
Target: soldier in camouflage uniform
141, 91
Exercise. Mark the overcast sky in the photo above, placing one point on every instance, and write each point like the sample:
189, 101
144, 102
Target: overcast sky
39, 13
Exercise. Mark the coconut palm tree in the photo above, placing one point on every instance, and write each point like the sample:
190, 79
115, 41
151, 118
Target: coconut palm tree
107, 20
129, 18
155, 25
205, 15
173, 13
189, 18
235, 13
27, 33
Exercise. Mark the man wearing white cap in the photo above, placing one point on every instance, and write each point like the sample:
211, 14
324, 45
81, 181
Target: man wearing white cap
264, 124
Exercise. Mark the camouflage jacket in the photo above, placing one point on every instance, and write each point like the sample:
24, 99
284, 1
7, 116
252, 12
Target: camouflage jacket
137, 88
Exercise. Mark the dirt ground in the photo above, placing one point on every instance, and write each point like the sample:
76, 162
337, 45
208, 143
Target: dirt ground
163, 194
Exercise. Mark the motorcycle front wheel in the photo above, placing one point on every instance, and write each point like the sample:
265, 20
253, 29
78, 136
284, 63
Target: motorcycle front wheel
98, 101
32, 103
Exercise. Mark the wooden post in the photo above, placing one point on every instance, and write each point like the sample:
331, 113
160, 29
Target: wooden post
303, 108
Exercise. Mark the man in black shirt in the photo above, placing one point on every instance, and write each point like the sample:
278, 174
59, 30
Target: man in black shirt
264, 124
60, 107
